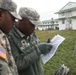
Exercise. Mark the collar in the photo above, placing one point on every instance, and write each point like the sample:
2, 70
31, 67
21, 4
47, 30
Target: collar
2, 34
20, 33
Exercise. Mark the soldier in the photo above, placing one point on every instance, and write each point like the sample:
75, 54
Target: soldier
7, 17
26, 47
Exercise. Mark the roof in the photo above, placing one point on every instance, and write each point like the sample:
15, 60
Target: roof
68, 7
49, 20
45, 21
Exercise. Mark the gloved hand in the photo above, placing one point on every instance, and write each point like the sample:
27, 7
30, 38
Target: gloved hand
48, 40
44, 47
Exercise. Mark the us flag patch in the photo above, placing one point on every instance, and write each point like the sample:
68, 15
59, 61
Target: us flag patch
2, 53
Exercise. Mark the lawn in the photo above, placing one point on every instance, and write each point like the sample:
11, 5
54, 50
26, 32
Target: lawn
65, 52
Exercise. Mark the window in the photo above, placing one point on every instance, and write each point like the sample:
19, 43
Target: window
70, 21
62, 14
63, 21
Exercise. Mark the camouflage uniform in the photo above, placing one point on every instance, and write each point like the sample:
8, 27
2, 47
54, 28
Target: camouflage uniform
7, 64
25, 49
26, 53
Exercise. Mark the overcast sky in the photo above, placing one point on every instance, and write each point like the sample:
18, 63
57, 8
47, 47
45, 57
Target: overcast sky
46, 8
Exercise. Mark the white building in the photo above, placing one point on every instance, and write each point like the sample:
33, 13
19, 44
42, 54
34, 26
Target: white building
67, 17
51, 24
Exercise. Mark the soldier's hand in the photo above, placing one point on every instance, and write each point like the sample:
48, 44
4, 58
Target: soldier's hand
45, 47
48, 40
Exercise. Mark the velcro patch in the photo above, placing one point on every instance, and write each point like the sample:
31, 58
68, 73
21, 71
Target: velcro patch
2, 53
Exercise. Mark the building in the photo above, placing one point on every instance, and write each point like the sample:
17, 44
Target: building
51, 24
67, 17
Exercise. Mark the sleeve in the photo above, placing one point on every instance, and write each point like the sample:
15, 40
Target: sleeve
2, 53
38, 41
23, 60
4, 68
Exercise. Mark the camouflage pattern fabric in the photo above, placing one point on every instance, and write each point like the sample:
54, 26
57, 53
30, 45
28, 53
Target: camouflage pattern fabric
7, 66
26, 53
31, 14
62, 70
10, 6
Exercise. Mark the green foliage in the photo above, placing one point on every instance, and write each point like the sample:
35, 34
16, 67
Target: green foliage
65, 52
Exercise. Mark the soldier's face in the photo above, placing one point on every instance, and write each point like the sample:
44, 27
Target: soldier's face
6, 21
27, 27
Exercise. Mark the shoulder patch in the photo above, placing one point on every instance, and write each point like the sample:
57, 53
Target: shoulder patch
2, 53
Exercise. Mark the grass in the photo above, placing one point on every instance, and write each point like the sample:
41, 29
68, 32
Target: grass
65, 52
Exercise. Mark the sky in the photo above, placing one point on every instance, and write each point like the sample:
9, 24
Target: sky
46, 8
